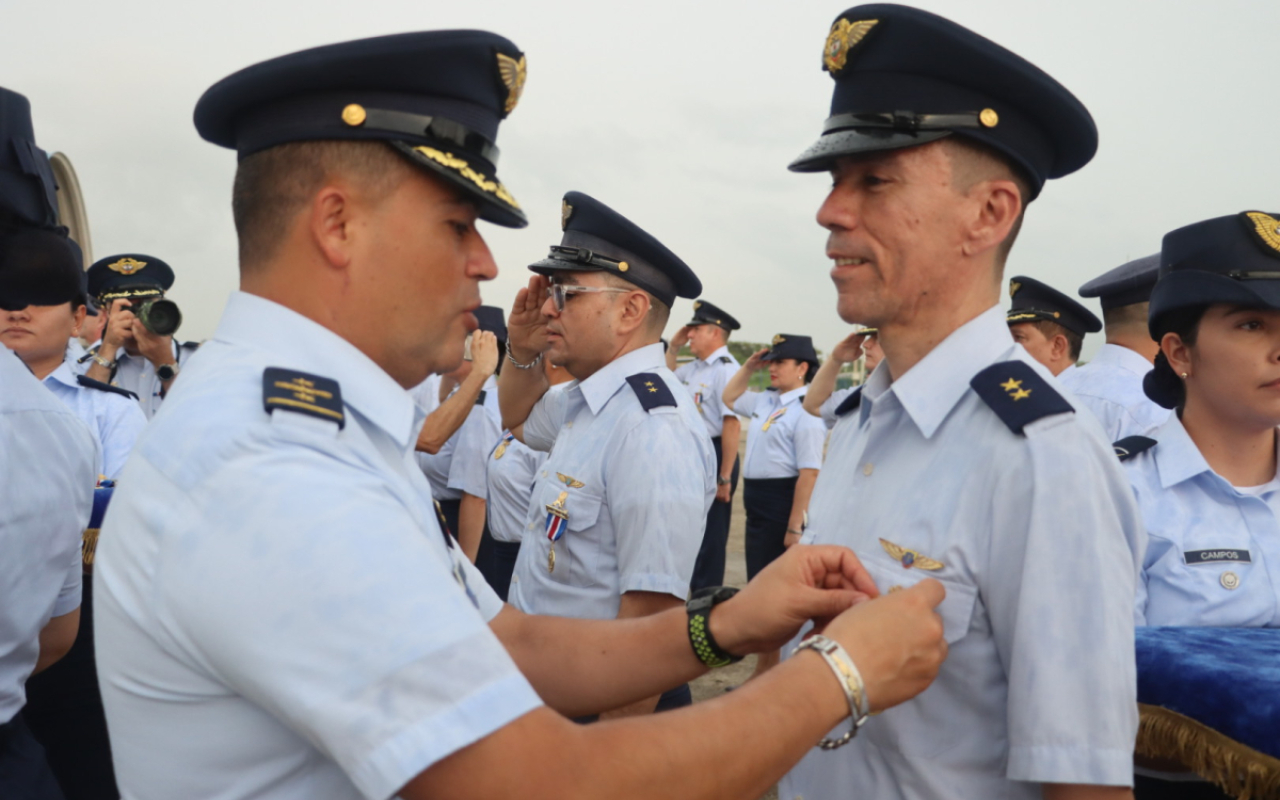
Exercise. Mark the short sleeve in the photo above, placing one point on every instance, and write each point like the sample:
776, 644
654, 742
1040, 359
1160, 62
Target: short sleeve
310, 644
828, 409
121, 428
809, 435
659, 490
476, 440
546, 419
746, 404
69, 596
719, 379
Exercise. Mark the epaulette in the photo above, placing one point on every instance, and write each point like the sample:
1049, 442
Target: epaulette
1130, 446
727, 360
480, 398
192, 345
306, 394
850, 403
1018, 394
651, 390
103, 387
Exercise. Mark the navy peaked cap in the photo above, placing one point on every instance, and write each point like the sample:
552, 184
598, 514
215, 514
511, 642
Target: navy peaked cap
705, 313
128, 275
788, 345
1034, 301
40, 267
1233, 259
904, 77
1126, 285
436, 97
491, 319
28, 194
599, 239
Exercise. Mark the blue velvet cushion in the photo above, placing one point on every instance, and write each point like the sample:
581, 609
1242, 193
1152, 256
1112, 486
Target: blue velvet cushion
1225, 678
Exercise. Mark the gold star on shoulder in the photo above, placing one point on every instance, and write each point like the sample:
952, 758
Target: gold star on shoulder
1010, 385
650, 385
1020, 394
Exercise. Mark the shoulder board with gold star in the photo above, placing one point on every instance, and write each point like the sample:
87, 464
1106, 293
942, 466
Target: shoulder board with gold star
480, 398
291, 390
727, 360
1130, 446
651, 390
1018, 394
850, 403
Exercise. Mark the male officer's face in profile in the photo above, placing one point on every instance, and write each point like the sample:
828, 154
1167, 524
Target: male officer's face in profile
704, 340
895, 228
423, 261
580, 337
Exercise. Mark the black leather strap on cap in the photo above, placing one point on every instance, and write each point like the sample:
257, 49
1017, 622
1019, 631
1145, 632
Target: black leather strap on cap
445, 130
906, 121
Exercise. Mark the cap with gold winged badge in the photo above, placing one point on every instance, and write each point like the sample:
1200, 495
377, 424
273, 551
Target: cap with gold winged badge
128, 275
905, 77
705, 313
436, 97
1234, 259
1034, 301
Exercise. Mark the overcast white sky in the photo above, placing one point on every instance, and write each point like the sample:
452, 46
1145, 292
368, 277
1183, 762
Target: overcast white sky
682, 115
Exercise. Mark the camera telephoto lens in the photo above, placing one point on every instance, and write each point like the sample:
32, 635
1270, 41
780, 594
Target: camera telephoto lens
160, 316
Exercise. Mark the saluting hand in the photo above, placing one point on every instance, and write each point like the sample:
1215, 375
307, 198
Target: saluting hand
756, 362
484, 352
849, 348
526, 325
680, 339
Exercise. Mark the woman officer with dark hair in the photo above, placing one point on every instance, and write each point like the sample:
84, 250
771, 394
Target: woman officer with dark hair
784, 450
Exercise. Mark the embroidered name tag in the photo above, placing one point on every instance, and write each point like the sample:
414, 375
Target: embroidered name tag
1216, 556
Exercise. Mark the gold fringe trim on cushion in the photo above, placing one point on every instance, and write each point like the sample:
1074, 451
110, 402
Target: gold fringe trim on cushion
1238, 770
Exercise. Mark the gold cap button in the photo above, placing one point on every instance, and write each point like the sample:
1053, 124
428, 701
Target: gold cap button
354, 115
989, 118
623, 266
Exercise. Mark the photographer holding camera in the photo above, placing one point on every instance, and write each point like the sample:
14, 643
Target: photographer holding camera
137, 351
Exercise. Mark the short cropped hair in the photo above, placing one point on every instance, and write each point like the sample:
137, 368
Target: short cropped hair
1132, 315
659, 312
1050, 329
973, 162
274, 185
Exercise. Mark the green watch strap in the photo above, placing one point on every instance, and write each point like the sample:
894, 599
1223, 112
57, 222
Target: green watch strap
704, 644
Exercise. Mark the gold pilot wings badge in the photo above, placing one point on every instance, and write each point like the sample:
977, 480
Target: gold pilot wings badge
126, 266
513, 75
572, 483
909, 558
1267, 227
844, 36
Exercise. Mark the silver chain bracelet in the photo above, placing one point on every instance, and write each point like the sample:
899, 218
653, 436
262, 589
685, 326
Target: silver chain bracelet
535, 362
850, 681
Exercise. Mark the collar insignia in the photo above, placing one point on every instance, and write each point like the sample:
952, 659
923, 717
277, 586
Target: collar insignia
909, 558
572, 483
1014, 286
513, 74
1267, 227
126, 266
566, 211
844, 36
779, 339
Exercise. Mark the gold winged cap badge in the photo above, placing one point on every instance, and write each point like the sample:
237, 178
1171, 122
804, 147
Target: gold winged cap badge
909, 558
1014, 286
126, 266
844, 36
1267, 227
513, 75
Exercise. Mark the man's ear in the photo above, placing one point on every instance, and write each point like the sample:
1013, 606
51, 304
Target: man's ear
1061, 347
330, 224
996, 204
78, 317
635, 310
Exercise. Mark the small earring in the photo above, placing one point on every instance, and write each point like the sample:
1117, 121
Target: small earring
1184, 376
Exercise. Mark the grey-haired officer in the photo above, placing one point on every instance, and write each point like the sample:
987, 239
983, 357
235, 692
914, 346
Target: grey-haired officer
960, 459
273, 582
1048, 324
1110, 385
705, 377
619, 509
131, 355
48, 461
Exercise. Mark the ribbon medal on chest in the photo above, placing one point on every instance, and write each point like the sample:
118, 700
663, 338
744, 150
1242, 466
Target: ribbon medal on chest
768, 422
507, 438
557, 523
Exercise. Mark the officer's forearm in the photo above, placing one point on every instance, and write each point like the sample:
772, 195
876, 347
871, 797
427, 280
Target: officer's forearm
471, 513
671, 358
56, 638
633, 605
800, 498
1072, 791
729, 445
824, 383
444, 422
736, 386
519, 390
107, 352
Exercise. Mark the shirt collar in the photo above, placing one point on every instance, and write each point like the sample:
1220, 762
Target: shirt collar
63, 375
794, 394
294, 342
711, 359
1177, 457
930, 389
606, 381
1122, 357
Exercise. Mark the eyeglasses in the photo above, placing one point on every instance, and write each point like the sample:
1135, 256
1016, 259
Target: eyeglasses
559, 292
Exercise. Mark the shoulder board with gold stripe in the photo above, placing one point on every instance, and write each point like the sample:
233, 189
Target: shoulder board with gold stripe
290, 390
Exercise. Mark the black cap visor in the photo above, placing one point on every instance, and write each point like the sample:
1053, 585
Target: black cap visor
473, 175
1191, 288
822, 155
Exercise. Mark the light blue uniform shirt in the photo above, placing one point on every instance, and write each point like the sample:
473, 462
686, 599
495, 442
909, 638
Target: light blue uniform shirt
138, 375
114, 418
1039, 542
48, 462
460, 465
793, 440
511, 469
1213, 554
1110, 386
704, 378
647, 480
278, 612
827, 411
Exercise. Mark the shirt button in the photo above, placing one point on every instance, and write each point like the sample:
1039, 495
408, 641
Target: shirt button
868, 468
569, 424
1229, 580
544, 473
